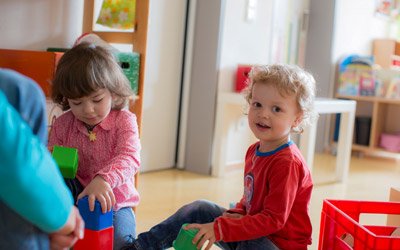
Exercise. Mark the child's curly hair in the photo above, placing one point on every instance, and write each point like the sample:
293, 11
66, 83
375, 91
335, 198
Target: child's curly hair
288, 80
86, 68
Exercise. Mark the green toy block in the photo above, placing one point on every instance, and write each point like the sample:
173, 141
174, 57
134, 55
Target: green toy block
67, 160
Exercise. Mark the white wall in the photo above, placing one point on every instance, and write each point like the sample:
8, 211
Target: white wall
243, 42
37, 25
356, 26
162, 83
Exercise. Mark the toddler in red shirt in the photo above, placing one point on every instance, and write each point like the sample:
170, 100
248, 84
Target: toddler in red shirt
274, 210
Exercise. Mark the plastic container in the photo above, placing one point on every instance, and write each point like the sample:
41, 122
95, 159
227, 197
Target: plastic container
242, 77
390, 142
363, 128
184, 239
340, 227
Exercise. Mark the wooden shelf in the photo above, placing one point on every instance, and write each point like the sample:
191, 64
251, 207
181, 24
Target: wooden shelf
370, 99
137, 38
379, 117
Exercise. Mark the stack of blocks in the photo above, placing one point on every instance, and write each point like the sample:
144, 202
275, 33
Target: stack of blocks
67, 160
99, 230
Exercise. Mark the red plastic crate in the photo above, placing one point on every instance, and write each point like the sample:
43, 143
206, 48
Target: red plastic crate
340, 217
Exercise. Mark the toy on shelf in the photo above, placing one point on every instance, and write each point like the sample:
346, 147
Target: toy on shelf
356, 76
67, 160
99, 230
242, 77
129, 62
393, 89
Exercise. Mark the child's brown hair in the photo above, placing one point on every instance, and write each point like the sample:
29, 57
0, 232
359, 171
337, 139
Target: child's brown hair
86, 68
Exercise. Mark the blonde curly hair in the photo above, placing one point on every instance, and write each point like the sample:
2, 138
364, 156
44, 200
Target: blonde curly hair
288, 80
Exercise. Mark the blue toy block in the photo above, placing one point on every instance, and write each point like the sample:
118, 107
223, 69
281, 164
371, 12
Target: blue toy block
95, 220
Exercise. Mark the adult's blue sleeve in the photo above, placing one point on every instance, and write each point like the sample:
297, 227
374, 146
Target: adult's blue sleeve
30, 182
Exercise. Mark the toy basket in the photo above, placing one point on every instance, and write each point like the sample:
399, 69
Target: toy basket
340, 222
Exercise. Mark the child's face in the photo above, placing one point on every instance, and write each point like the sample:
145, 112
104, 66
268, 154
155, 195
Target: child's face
92, 109
272, 116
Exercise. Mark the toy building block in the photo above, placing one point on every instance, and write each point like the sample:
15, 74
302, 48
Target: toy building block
67, 160
95, 220
96, 240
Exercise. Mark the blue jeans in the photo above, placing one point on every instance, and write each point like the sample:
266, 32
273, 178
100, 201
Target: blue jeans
162, 235
17, 233
124, 220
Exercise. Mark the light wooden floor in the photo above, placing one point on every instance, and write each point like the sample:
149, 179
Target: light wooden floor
163, 192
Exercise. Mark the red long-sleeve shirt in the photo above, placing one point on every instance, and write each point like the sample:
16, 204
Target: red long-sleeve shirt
275, 203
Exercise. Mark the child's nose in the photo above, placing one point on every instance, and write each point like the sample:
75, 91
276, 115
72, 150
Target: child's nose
265, 113
88, 108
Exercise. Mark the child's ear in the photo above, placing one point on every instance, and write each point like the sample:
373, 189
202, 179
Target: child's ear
114, 97
299, 118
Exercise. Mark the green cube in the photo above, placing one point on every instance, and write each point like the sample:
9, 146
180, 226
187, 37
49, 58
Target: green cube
67, 160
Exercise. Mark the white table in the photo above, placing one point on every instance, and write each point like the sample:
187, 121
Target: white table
346, 109
307, 140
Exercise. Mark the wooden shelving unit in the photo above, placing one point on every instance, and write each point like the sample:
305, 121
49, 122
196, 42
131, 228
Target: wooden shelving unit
138, 38
379, 117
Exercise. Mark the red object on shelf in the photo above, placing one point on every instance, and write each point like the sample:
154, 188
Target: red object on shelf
96, 240
242, 74
340, 222
38, 65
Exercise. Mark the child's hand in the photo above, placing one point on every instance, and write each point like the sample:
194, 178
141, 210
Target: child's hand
99, 189
232, 215
206, 232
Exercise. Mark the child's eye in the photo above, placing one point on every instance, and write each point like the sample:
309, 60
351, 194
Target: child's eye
256, 104
76, 103
98, 100
276, 109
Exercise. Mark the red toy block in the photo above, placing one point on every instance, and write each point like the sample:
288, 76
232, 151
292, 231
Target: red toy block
96, 240
340, 227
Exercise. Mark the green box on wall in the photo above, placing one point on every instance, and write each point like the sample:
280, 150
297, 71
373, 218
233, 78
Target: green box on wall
130, 62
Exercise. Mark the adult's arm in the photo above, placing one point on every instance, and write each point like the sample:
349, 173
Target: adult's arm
31, 183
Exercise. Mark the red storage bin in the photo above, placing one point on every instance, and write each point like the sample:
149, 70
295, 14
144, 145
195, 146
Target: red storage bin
341, 217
